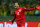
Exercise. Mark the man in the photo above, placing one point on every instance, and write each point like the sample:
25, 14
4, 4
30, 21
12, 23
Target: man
19, 15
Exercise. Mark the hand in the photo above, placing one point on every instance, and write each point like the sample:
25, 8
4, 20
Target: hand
12, 22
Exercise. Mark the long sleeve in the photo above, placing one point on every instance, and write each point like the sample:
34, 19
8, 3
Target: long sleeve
14, 17
28, 9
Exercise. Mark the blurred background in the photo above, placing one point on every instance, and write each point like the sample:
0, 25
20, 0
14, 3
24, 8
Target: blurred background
7, 9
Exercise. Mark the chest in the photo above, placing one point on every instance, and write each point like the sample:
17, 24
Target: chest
18, 12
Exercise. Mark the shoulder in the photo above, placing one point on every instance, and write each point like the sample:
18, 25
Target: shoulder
21, 7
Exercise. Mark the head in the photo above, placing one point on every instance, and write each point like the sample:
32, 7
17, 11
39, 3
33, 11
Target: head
16, 5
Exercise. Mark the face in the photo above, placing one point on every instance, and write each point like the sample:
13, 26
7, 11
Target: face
16, 5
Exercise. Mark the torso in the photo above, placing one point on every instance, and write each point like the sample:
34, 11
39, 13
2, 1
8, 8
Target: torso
19, 14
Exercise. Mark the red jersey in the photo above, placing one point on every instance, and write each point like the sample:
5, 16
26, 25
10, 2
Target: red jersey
19, 14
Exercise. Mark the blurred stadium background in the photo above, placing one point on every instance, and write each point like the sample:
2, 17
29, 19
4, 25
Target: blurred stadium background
7, 9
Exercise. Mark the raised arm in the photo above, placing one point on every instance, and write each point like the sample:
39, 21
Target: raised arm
28, 9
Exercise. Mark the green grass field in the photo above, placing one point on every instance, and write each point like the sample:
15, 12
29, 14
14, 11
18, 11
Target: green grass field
27, 19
